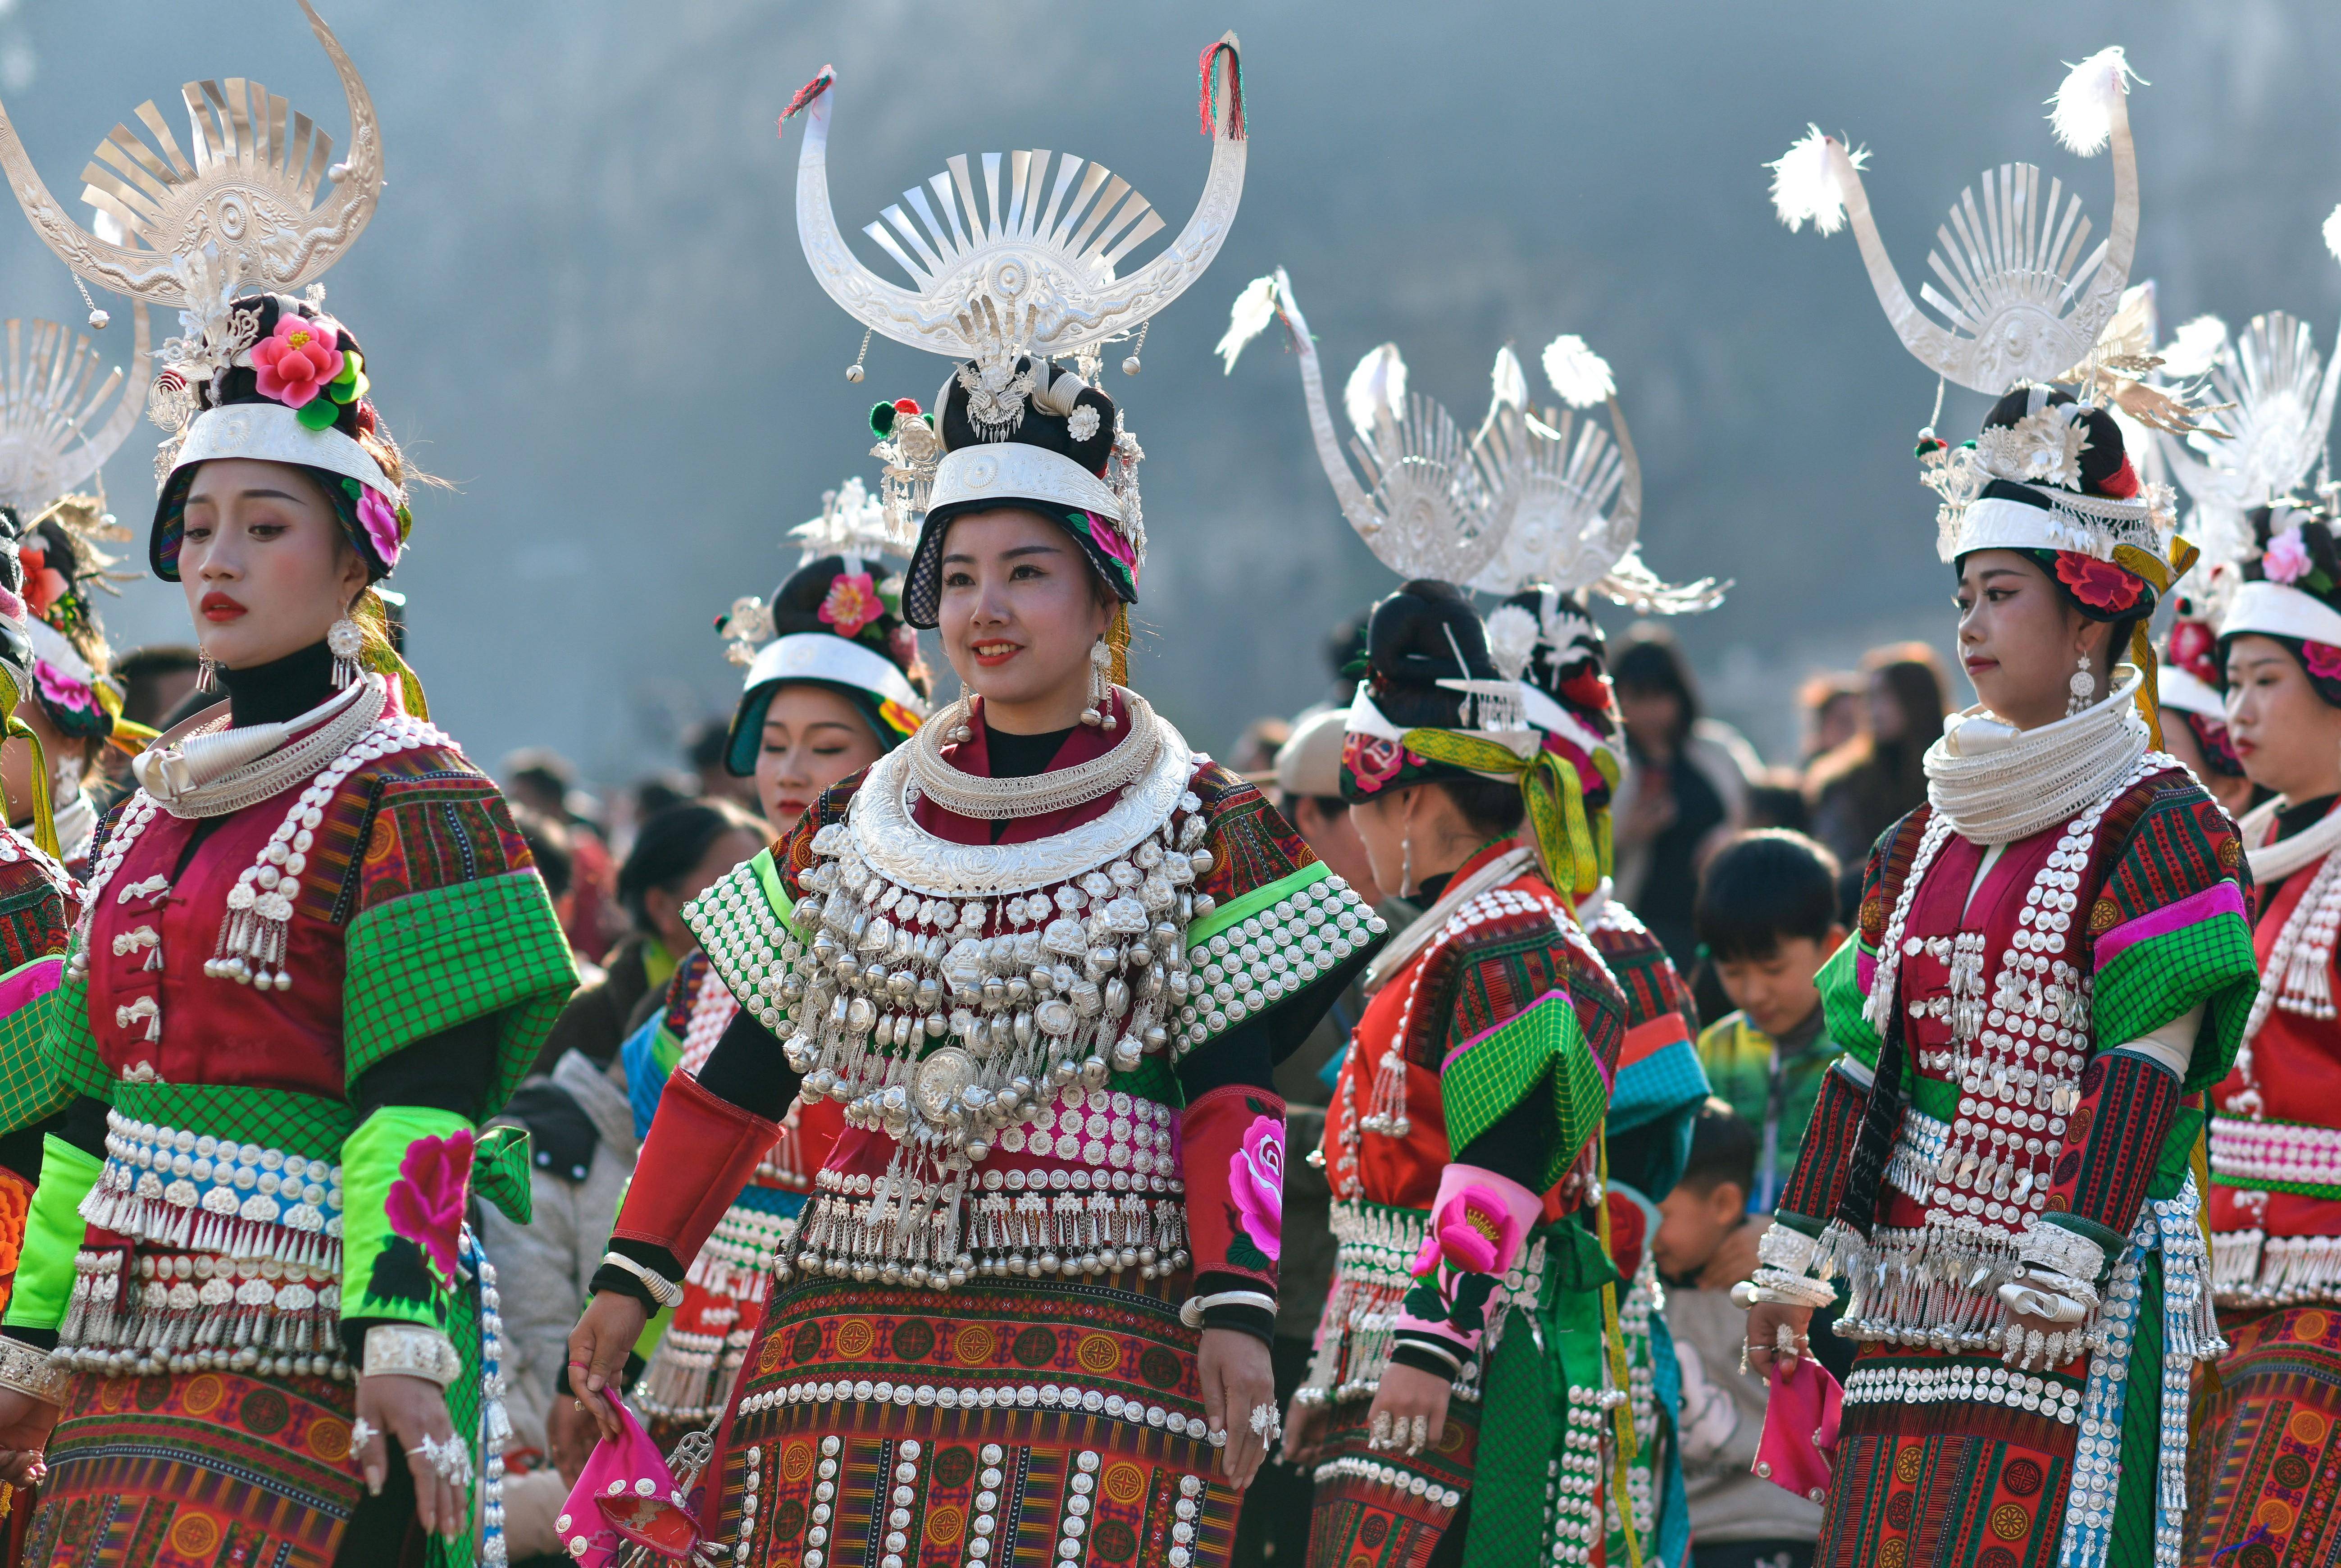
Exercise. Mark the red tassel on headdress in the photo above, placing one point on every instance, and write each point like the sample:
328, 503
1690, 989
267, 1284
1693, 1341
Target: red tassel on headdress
807, 94
2122, 483
1210, 102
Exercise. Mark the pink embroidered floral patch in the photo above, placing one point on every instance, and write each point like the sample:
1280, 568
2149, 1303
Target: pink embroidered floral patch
2322, 659
1104, 535
1474, 1234
1373, 760
2100, 584
2287, 557
379, 518
297, 361
852, 603
1256, 1183
425, 1204
60, 689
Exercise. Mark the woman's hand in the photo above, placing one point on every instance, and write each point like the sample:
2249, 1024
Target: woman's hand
570, 1434
1304, 1430
1765, 1321
598, 1348
24, 1426
1412, 1407
408, 1412
1237, 1381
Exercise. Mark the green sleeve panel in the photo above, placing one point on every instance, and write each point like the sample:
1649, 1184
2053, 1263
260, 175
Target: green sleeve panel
1844, 994
52, 1236
405, 1172
425, 961
31, 1091
1542, 1050
69, 1047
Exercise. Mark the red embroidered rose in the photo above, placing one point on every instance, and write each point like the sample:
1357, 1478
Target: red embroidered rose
2191, 645
425, 1204
852, 603
2099, 584
2322, 659
1371, 759
43, 584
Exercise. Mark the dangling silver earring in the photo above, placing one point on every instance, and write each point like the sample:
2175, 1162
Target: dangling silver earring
207, 673
1099, 711
2084, 687
1406, 868
345, 642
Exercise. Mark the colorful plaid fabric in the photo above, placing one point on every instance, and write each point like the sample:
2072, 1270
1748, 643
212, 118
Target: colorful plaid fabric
2180, 844
300, 1124
69, 1048
425, 962
30, 1092
38, 904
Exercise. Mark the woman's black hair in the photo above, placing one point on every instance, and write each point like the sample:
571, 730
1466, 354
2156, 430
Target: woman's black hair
1426, 633
1652, 661
669, 846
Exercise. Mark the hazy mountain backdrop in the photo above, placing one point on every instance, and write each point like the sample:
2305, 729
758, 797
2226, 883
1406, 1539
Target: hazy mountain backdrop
583, 300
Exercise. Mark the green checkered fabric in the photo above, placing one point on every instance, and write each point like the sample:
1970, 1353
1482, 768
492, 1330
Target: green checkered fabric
69, 1048
29, 1092
428, 962
299, 1124
2150, 983
1839, 984
1541, 1050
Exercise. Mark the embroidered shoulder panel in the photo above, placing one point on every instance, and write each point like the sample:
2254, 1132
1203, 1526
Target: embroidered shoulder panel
415, 821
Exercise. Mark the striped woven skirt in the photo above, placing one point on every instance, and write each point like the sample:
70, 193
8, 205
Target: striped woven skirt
1384, 1508
2263, 1473
212, 1467
1003, 1424
1932, 1471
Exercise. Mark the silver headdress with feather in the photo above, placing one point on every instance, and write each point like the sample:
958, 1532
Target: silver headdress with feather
260, 204
1535, 495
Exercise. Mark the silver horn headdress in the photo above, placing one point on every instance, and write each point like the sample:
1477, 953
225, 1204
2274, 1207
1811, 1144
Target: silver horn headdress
54, 394
1028, 267
2019, 300
1535, 495
259, 202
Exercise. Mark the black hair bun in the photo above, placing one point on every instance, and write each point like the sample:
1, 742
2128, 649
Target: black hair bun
2101, 459
1425, 633
1083, 431
798, 602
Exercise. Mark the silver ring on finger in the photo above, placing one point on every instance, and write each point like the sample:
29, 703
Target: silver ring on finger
361, 1431
1417, 1433
1784, 1340
451, 1457
1378, 1433
1267, 1421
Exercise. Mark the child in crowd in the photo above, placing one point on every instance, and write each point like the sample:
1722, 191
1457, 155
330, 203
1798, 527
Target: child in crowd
1737, 1520
1766, 917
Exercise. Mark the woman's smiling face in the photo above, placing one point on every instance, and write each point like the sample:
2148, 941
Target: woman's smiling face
1020, 609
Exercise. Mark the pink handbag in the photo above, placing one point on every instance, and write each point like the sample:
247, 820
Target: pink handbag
626, 1495
1798, 1448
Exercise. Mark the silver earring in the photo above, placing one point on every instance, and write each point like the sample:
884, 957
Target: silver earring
207, 673
345, 642
1099, 711
2083, 685
1406, 868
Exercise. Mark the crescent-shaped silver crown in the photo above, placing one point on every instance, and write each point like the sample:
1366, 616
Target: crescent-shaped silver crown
1028, 267
55, 392
261, 203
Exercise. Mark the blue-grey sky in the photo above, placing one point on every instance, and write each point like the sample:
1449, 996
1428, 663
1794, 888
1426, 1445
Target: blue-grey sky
582, 301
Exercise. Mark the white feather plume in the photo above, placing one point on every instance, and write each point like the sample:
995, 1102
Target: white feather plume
2333, 233
1378, 384
1511, 640
1247, 319
1581, 375
1805, 184
1510, 381
2194, 348
2082, 112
